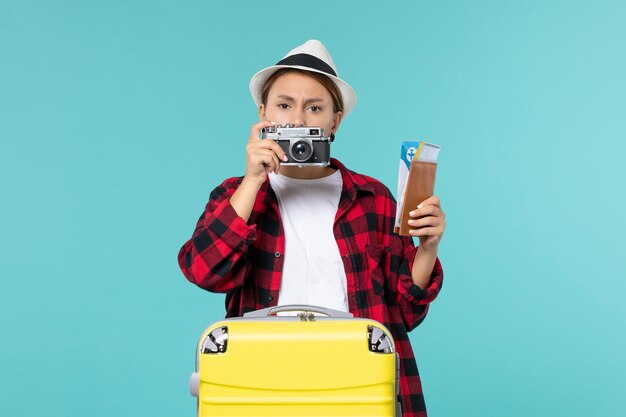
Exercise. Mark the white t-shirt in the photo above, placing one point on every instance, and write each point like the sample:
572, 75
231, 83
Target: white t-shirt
313, 271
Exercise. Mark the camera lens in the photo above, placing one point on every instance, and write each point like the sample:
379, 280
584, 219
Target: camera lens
301, 151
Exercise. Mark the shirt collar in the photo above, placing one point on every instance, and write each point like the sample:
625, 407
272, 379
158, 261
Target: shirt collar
353, 183
352, 180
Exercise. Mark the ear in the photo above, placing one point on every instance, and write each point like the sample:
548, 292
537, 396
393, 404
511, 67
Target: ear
337, 118
261, 112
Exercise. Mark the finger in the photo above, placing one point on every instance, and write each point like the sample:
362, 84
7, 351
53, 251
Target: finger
270, 144
264, 157
430, 201
279, 151
276, 163
262, 164
255, 131
275, 147
427, 211
425, 221
427, 231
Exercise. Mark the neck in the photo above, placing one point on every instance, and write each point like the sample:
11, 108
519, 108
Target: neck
306, 173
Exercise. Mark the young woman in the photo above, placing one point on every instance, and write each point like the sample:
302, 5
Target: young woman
316, 235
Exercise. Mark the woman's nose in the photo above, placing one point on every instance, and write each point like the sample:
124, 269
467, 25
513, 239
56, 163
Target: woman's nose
297, 118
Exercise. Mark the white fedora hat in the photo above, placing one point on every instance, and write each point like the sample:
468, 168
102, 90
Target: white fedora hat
310, 56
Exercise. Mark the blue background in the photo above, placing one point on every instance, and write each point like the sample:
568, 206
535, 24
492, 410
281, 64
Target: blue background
117, 119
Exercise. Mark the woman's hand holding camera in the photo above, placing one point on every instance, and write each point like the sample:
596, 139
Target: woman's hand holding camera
262, 156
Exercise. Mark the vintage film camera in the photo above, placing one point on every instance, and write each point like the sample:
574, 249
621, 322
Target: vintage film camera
304, 146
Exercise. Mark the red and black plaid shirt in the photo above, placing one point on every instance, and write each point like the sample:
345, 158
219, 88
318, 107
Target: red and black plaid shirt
245, 261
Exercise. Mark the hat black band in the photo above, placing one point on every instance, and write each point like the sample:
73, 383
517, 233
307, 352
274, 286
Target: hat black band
306, 60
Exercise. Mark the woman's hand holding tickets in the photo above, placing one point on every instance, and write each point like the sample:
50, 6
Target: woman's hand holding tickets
262, 156
429, 222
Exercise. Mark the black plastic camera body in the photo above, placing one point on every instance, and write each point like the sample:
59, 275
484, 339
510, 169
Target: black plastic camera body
304, 146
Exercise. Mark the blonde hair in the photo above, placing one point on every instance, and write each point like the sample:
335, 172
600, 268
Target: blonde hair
324, 80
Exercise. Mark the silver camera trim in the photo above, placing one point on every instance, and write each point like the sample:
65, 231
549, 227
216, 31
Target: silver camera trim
279, 132
296, 134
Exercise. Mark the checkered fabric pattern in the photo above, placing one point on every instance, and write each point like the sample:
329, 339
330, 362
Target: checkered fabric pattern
245, 261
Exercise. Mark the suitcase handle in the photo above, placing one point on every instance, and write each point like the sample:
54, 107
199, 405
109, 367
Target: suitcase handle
266, 312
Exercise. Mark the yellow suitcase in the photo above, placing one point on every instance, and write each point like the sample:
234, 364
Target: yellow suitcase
311, 362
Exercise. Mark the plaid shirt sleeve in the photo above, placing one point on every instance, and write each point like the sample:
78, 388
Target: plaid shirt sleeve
214, 257
412, 300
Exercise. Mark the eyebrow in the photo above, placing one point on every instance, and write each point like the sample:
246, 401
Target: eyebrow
307, 101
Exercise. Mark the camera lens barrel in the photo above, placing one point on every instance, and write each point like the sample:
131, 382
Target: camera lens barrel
300, 150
